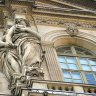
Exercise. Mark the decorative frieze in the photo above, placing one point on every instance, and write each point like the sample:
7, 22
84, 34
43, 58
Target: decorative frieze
63, 22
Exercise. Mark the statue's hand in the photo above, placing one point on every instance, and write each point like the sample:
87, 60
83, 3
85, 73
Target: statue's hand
21, 28
11, 45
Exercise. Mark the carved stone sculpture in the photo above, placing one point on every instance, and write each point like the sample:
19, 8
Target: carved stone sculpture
20, 47
28, 43
72, 31
11, 62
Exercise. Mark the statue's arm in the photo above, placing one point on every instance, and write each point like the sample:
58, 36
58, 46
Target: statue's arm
3, 44
28, 29
9, 34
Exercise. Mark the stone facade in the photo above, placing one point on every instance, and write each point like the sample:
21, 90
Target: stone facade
29, 63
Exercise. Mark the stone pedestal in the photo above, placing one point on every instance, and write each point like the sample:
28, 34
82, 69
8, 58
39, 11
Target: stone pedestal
39, 86
24, 83
79, 89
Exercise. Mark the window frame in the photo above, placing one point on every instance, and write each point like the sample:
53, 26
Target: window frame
80, 69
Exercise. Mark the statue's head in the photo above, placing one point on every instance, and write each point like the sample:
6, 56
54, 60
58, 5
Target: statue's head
21, 22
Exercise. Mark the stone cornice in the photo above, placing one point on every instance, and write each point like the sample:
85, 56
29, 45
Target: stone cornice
57, 11
45, 17
69, 4
64, 11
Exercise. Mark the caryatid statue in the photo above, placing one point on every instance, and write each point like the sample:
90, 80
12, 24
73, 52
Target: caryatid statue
21, 47
28, 43
10, 60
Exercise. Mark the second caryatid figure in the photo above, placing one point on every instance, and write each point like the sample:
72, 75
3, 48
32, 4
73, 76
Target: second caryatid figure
22, 48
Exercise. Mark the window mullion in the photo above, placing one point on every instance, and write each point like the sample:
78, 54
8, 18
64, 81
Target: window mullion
73, 50
84, 77
71, 76
89, 65
78, 64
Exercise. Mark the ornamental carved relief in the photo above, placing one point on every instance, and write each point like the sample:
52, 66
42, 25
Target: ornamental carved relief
63, 22
21, 47
72, 31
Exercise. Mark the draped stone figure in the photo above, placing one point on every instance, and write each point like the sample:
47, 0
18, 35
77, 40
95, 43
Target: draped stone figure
20, 47
10, 61
28, 43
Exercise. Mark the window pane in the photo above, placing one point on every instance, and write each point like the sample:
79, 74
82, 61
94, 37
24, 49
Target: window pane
67, 50
76, 75
73, 66
92, 62
86, 68
77, 81
64, 66
93, 68
68, 80
67, 75
61, 50
83, 61
64, 49
91, 82
90, 78
71, 60
82, 51
61, 58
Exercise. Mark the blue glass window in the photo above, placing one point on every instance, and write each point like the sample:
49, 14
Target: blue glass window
93, 68
92, 62
73, 66
67, 62
90, 78
88, 64
76, 77
83, 61
61, 59
67, 77
86, 67
71, 60
64, 66
85, 64
72, 77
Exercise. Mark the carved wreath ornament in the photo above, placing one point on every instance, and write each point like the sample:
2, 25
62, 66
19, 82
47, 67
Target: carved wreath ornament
72, 31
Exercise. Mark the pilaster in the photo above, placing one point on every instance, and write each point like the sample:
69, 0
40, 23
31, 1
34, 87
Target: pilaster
52, 63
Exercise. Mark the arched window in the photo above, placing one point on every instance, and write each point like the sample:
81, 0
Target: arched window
78, 64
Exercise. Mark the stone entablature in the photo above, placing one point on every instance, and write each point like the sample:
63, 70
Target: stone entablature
25, 9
